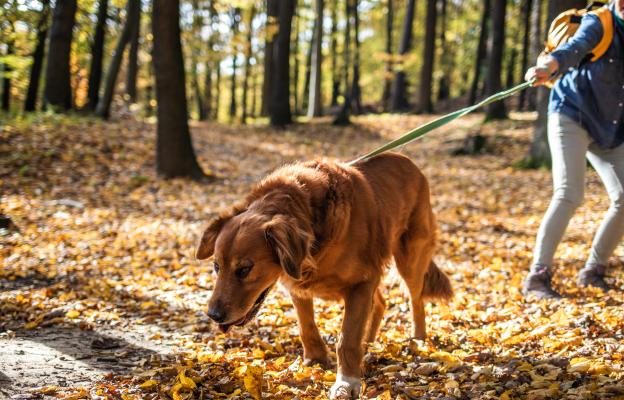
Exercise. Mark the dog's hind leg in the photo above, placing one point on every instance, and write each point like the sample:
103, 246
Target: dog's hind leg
379, 306
412, 255
314, 349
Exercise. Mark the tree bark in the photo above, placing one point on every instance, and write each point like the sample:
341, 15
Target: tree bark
305, 93
235, 15
209, 62
280, 96
103, 107
481, 52
217, 105
6, 80
295, 72
269, 50
510, 80
133, 56
426, 77
539, 152
446, 58
526, 16
398, 101
97, 54
356, 90
496, 110
38, 57
315, 100
248, 54
175, 156
345, 110
58, 91
385, 97
334, 56
537, 45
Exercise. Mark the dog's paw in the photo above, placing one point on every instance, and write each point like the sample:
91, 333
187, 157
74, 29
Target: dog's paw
345, 388
324, 362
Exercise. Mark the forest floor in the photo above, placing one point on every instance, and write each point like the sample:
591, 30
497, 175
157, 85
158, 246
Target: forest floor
100, 295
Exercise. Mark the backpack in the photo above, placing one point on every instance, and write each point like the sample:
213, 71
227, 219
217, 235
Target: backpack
567, 23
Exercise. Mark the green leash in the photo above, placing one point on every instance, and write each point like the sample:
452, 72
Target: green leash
435, 124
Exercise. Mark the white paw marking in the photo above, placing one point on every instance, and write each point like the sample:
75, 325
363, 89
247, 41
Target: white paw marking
346, 387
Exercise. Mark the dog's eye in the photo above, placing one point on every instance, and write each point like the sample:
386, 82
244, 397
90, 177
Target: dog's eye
216, 268
243, 272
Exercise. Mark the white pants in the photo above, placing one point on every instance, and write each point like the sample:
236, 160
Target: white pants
569, 145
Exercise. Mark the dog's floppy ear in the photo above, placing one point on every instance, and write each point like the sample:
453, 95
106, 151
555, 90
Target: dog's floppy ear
207, 242
290, 244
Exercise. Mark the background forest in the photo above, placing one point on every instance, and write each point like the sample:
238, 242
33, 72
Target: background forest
127, 125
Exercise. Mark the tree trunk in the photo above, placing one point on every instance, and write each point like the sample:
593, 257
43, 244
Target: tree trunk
510, 80
307, 76
526, 16
175, 156
343, 115
209, 63
356, 90
537, 45
58, 91
295, 72
217, 105
269, 51
398, 100
426, 77
496, 110
334, 56
103, 107
481, 52
235, 15
38, 56
133, 56
254, 94
539, 152
199, 100
446, 58
6, 80
280, 96
248, 54
97, 54
385, 97
315, 100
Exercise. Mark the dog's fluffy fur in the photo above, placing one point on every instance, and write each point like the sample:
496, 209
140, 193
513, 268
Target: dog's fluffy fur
329, 230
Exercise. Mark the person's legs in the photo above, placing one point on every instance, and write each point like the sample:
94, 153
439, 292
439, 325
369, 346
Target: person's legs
609, 165
568, 145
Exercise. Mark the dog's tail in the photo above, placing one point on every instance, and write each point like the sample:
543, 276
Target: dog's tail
437, 285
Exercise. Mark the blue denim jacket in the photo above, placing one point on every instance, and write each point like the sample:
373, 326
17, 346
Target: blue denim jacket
592, 93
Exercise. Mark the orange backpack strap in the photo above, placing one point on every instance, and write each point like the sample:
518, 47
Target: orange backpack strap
606, 18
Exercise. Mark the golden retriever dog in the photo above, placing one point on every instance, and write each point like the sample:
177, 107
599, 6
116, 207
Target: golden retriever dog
329, 230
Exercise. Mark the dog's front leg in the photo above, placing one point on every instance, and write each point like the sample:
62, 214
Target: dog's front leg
314, 349
358, 303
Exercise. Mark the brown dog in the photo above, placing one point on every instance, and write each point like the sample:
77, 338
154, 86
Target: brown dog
328, 230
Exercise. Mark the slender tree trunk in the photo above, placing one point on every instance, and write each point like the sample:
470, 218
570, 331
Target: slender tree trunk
97, 54
280, 96
496, 110
38, 56
315, 100
446, 59
175, 156
356, 90
199, 100
103, 107
345, 110
235, 15
209, 63
426, 76
385, 98
537, 45
510, 80
254, 95
58, 91
526, 16
248, 54
481, 52
133, 56
305, 93
334, 55
208, 91
269, 50
6, 80
295, 72
398, 100
539, 152
217, 105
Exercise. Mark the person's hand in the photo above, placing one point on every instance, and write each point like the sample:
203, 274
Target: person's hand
543, 71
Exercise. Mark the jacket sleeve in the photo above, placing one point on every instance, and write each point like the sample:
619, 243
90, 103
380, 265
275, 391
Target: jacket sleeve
570, 54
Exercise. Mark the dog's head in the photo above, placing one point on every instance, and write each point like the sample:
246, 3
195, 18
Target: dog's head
251, 252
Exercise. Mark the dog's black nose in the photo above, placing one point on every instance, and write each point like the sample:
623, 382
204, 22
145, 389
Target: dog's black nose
216, 314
